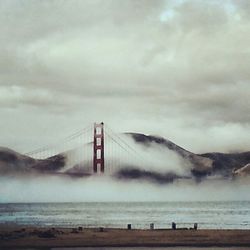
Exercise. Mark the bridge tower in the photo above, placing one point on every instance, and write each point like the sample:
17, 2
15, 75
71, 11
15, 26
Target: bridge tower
98, 148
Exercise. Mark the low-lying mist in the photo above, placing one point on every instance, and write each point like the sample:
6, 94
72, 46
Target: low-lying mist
151, 157
107, 189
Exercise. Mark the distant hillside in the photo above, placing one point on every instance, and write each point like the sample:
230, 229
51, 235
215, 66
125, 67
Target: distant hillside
202, 165
12, 162
242, 172
225, 163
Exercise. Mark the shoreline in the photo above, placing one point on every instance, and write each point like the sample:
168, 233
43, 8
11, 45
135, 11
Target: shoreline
42, 238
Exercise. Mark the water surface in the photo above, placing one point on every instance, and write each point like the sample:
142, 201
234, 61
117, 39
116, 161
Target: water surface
208, 215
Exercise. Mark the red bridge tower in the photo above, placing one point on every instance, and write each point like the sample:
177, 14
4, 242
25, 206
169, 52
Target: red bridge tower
98, 147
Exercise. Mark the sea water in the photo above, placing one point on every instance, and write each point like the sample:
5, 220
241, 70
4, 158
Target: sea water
208, 215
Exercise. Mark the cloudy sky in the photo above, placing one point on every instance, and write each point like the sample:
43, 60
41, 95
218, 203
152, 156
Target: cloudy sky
179, 68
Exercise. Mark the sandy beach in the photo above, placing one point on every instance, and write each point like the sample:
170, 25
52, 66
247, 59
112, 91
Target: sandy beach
33, 237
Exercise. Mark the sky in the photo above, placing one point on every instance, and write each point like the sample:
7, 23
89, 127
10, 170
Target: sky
178, 69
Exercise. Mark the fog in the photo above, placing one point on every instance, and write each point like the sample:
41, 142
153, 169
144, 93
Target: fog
173, 68
159, 158
101, 189
121, 151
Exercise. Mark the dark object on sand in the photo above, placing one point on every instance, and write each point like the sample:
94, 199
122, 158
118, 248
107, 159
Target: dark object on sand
47, 234
195, 226
74, 231
173, 225
129, 227
79, 228
101, 229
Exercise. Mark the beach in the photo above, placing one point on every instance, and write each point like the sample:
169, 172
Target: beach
46, 238
70, 225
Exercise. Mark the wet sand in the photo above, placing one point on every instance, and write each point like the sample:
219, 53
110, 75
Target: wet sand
35, 238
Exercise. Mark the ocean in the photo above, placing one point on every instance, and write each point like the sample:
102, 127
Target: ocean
208, 215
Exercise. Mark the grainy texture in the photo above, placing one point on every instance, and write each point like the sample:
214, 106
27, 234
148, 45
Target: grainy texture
61, 237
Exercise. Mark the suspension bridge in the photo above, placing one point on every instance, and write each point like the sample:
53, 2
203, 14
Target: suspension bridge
94, 149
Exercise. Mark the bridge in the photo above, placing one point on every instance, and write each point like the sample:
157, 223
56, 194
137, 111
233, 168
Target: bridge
94, 149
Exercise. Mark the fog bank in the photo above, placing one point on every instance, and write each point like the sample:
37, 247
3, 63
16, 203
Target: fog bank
101, 189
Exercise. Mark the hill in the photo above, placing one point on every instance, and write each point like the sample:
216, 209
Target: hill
12, 162
202, 165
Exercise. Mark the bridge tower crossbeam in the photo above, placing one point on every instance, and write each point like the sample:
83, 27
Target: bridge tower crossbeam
98, 148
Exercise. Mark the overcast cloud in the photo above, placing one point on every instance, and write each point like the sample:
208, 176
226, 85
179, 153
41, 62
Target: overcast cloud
179, 69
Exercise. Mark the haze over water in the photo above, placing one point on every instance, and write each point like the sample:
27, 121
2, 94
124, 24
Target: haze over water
208, 215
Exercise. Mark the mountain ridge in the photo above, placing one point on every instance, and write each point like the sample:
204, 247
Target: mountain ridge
225, 165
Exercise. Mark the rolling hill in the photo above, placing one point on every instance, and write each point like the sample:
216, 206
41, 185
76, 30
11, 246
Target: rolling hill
202, 165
